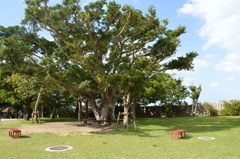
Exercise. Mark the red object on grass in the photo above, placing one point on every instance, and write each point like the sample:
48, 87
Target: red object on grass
179, 133
14, 133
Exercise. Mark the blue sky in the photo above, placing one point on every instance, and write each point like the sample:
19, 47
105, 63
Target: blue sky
212, 31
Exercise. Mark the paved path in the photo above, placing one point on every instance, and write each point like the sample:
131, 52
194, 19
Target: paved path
4, 120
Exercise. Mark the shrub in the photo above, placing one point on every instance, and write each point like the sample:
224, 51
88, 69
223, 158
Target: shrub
210, 109
231, 108
223, 112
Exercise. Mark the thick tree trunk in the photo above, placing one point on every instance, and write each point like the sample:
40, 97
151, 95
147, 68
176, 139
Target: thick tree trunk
94, 108
108, 109
27, 112
105, 105
133, 112
109, 100
104, 112
79, 105
133, 108
127, 101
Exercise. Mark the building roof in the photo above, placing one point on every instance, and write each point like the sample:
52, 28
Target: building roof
6, 110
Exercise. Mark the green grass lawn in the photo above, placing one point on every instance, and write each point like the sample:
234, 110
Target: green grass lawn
150, 141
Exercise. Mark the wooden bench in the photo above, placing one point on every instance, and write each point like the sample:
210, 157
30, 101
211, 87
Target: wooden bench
178, 134
14, 133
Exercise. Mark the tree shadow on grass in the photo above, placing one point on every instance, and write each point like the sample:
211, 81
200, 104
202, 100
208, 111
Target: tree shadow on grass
152, 127
148, 133
4, 128
140, 131
193, 124
25, 136
187, 137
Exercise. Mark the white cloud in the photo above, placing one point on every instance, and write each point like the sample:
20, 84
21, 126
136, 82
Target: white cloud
236, 93
231, 62
221, 25
215, 84
200, 64
136, 1
231, 78
211, 56
188, 81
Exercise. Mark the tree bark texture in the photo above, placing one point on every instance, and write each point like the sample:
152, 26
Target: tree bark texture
52, 116
86, 112
79, 105
94, 108
133, 108
133, 111
125, 118
127, 101
36, 113
27, 112
105, 109
109, 100
113, 117
196, 107
104, 113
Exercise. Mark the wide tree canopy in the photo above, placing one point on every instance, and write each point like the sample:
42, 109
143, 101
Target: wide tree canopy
103, 51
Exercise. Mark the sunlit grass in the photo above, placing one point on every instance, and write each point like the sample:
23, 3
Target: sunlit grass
151, 140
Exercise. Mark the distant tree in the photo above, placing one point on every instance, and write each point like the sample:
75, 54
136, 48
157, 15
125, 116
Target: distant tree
177, 93
55, 102
195, 94
161, 89
164, 89
20, 54
231, 108
5, 94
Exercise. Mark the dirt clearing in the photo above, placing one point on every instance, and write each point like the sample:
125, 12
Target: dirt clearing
64, 128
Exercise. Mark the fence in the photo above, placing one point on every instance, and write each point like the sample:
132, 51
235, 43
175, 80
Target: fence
175, 111
165, 111
217, 105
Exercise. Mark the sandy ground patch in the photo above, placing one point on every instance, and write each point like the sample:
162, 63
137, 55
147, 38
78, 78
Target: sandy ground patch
63, 128
5, 120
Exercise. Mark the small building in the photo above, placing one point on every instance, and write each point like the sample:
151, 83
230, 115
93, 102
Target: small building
7, 112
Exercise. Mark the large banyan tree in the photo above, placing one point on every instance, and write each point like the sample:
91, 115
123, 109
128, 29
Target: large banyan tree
104, 51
